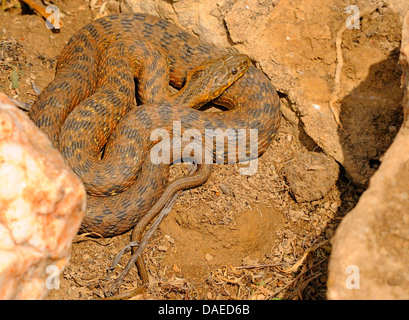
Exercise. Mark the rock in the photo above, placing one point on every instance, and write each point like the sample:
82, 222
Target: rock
371, 243
370, 254
163, 248
203, 18
254, 12
398, 6
334, 206
311, 175
208, 257
225, 189
42, 205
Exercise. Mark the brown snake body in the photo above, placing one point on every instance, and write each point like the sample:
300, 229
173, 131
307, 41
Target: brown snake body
88, 74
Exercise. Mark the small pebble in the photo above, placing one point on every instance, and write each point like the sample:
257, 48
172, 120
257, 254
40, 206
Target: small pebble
170, 239
334, 206
163, 248
208, 257
225, 189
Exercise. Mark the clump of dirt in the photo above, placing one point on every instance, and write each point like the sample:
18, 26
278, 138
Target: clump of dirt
235, 237
311, 175
251, 234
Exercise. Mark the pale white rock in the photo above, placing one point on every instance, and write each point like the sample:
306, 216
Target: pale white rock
42, 205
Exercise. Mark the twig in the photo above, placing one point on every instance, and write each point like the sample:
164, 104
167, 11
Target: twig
127, 294
256, 266
23, 105
297, 277
295, 267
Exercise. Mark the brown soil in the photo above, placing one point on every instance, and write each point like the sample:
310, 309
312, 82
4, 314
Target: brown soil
235, 237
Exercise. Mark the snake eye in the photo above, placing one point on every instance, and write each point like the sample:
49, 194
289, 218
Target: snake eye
234, 71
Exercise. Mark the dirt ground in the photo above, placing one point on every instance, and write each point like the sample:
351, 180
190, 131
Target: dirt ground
235, 237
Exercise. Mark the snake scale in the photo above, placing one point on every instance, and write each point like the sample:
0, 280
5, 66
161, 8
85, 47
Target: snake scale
95, 74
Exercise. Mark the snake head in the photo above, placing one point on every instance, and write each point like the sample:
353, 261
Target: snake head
210, 79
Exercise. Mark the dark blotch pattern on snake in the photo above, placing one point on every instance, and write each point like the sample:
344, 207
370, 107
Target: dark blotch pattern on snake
151, 46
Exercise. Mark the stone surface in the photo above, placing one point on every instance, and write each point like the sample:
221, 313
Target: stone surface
42, 205
370, 255
311, 175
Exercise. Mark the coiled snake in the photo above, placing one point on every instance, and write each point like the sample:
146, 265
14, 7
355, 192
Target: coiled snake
94, 89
